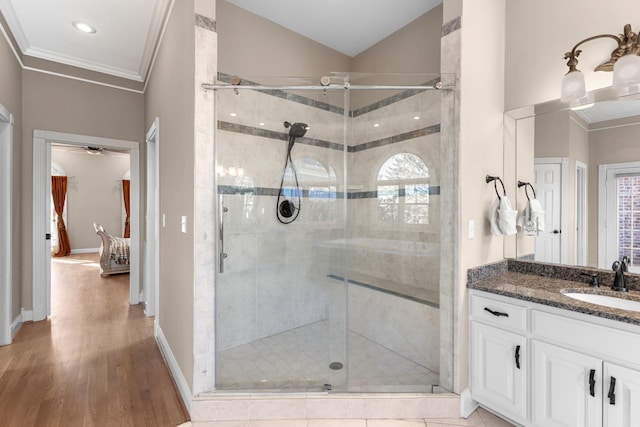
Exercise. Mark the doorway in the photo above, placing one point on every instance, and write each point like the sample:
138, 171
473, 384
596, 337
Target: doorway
42, 141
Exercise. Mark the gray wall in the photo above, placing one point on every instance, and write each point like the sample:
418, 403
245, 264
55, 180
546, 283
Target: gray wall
94, 194
53, 103
170, 96
11, 98
249, 45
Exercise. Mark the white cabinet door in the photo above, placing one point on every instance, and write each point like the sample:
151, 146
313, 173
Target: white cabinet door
567, 387
499, 370
621, 396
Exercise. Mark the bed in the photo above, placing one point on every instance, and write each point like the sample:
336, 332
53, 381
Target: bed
114, 253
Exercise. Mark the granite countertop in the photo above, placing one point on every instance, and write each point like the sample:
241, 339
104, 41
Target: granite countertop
548, 291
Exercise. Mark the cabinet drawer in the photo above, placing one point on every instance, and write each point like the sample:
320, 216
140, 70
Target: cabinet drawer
499, 313
608, 343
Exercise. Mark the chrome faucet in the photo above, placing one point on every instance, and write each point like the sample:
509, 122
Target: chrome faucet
620, 267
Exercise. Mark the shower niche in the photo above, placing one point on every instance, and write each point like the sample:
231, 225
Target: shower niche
330, 240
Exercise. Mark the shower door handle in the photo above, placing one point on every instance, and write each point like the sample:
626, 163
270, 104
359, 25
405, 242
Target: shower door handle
223, 254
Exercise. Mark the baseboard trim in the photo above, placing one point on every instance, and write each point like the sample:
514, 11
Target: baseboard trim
16, 325
84, 251
27, 315
467, 404
174, 369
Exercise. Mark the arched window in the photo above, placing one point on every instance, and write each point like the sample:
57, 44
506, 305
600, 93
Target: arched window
403, 190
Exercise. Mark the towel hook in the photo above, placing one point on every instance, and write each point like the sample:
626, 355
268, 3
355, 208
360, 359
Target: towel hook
527, 185
490, 178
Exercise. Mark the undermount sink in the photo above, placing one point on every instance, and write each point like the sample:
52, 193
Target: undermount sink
605, 300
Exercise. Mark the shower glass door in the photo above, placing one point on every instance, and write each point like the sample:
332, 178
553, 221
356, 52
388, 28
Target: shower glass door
330, 240
280, 301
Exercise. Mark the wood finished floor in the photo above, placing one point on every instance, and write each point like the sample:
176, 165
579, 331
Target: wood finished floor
94, 362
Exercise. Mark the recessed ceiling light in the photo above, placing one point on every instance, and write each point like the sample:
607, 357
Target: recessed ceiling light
416, 117
233, 114
85, 28
376, 125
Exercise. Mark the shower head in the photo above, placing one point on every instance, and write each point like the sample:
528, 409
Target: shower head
297, 130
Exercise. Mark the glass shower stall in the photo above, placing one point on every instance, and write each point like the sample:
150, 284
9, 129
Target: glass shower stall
332, 251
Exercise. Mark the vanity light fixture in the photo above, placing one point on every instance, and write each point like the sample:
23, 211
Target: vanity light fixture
84, 27
624, 62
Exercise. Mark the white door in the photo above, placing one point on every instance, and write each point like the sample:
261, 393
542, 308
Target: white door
548, 186
621, 396
567, 387
499, 370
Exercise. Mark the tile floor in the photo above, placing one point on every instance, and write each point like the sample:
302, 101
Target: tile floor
479, 418
299, 360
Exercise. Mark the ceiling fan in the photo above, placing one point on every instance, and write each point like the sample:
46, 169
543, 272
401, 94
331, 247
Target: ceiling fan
90, 149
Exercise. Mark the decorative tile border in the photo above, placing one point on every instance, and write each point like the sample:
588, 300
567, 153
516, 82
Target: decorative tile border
272, 134
395, 139
392, 99
290, 192
206, 23
451, 26
283, 136
226, 78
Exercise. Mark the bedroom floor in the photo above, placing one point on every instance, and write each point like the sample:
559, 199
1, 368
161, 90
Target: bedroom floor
94, 361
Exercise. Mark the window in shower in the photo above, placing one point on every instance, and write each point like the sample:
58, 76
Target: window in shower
403, 190
320, 184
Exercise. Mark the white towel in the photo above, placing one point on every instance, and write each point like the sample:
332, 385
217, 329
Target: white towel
507, 217
493, 218
502, 217
531, 220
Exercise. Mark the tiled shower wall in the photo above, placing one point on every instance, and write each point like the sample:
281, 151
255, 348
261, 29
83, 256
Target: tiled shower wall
275, 276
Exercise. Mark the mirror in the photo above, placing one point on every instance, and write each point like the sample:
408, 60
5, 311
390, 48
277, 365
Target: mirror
584, 165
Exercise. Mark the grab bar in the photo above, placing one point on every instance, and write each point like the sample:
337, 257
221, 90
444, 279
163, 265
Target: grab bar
223, 254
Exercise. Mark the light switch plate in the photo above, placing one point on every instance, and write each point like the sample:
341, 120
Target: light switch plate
183, 223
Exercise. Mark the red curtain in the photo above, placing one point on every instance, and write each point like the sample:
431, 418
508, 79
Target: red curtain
59, 193
126, 185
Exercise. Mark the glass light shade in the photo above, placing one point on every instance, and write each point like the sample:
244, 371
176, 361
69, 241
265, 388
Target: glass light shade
626, 72
573, 86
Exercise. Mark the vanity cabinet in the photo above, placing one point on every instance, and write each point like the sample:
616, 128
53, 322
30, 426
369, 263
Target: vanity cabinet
572, 370
499, 364
621, 396
498, 370
567, 387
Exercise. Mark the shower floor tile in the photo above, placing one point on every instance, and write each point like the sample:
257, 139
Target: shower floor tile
298, 360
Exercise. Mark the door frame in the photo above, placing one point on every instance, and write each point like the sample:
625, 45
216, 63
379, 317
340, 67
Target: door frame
41, 264
6, 222
152, 234
581, 192
564, 202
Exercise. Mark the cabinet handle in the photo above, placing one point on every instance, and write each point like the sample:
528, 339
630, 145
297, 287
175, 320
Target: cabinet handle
592, 382
517, 356
496, 313
612, 391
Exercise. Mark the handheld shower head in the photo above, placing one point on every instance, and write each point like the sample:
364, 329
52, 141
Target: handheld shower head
297, 130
